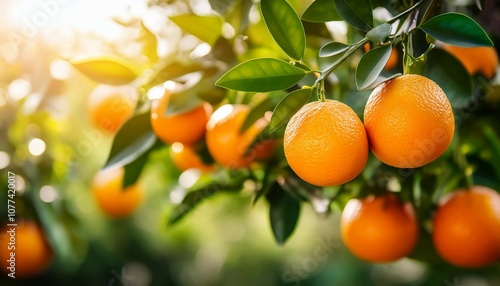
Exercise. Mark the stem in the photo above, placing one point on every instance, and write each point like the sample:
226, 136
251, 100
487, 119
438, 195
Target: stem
407, 12
322, 96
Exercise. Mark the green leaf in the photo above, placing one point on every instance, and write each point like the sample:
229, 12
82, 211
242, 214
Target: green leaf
133, 170
283, 213
261, 75
256, 113
288, 106
371, 65
450, 75
321, 11
205, 28
132, 140
358, 13
456, 29
198, 194
332, 49
107, 70
285, 27
379, 33
164, 72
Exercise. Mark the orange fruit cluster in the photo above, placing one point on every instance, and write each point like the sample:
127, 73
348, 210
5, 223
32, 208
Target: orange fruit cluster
408, 123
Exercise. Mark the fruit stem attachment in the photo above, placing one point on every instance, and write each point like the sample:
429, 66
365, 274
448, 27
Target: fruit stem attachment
321, 91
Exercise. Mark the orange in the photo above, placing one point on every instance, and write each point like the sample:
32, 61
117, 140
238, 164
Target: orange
186, 127
483, 60
393, 59
185, 157
467, 227
111, 198
32, 251
409, 121
227, 144
325, 143
110, 106
379, 229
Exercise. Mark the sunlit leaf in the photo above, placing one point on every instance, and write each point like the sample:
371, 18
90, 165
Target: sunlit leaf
321, 11
285, 27
357, 13
456, 29
284, 213
371, 65
132, 140
107, 70
170, 71
205, 28
149, 43
288, 106
261, 75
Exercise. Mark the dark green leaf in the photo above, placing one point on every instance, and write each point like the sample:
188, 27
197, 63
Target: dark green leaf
133, 170
450, 75
332, 49
132, 140
371, 65
456, 29
205, 28
261, 75
379, 33
382, 78
199, 193
288, 106
285, 27
358, 13
283, 213
321, 11
107, 70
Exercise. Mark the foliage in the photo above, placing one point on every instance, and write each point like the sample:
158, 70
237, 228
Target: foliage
275, 56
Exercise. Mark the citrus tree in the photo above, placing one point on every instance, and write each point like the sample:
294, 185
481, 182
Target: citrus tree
383, 111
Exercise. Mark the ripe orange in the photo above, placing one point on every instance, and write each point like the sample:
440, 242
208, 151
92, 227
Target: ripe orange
111, 198
393, 59
185, 157
325, 143
227, 144
467, 227
109, 106
483, 60
379, 229
32, 251
186, 127
409, 121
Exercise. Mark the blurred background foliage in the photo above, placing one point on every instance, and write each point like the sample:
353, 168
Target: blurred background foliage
48, 141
